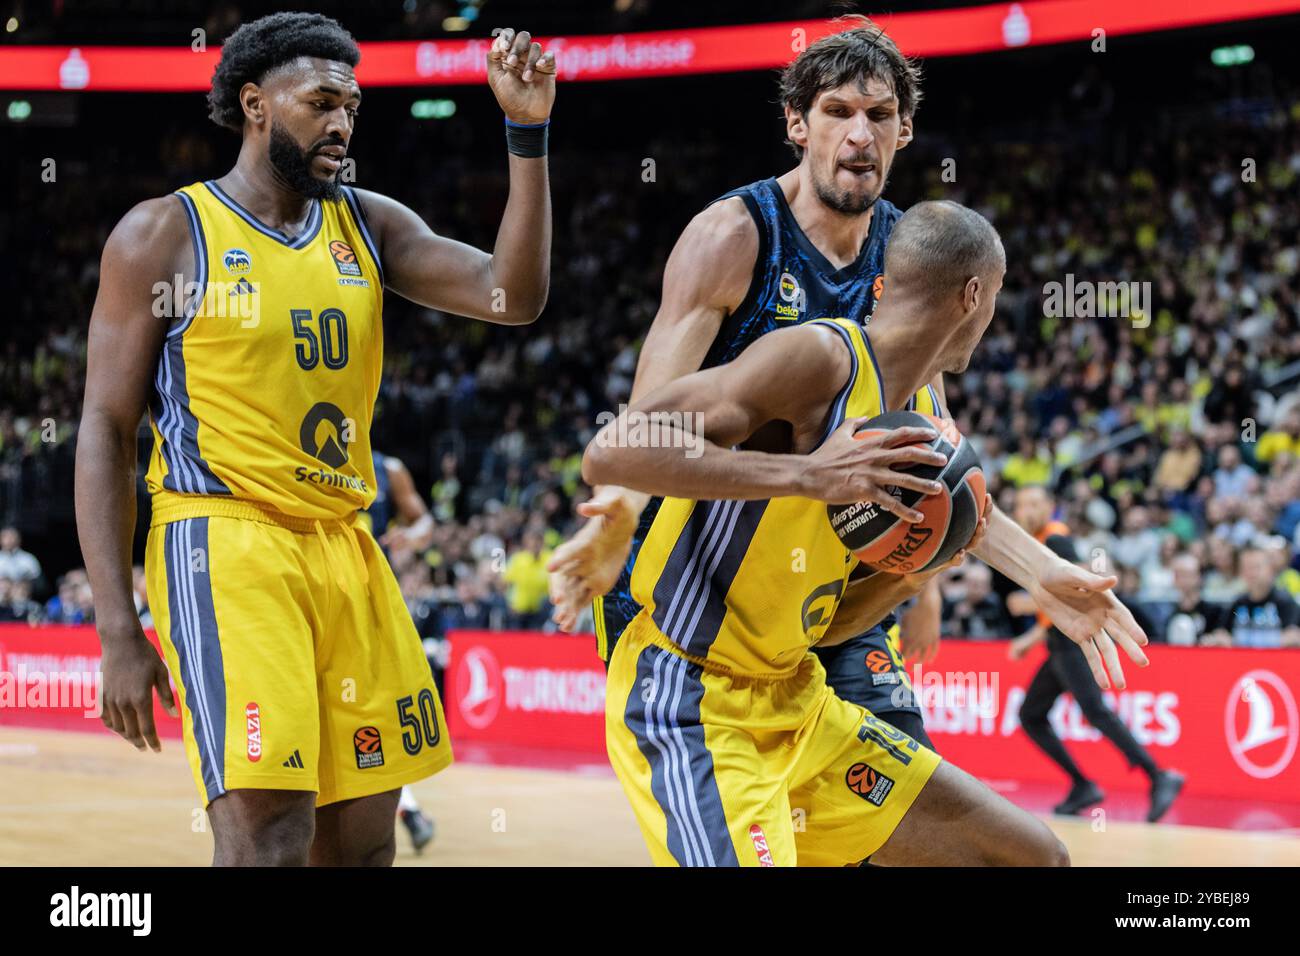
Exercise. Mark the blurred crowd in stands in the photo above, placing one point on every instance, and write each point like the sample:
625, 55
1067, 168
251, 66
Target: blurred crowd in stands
1167, 423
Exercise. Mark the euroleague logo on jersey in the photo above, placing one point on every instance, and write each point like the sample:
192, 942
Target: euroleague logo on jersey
878, 287
369, 747
878, 662
868, 783
345, 260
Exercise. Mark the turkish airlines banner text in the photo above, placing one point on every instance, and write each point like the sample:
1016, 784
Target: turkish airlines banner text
1228, 718
526, 689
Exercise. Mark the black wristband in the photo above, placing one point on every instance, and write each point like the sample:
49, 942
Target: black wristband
526, 139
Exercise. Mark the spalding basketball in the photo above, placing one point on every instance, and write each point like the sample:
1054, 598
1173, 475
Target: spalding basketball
888, 543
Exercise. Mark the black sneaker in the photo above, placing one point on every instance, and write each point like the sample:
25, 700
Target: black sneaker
1080, 797
420, 828
1165, 787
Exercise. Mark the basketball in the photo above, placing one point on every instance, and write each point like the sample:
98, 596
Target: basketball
885, 541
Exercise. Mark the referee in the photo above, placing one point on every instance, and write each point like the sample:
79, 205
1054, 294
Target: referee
1067, 670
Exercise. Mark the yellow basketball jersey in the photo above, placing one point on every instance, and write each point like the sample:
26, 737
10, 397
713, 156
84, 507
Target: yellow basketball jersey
267, 380
751, 585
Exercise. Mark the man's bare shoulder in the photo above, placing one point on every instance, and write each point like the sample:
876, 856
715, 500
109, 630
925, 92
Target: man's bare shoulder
717, 250
726, 227
155, 232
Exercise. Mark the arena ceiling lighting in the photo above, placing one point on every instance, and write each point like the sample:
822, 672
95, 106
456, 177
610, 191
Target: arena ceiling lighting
930, 33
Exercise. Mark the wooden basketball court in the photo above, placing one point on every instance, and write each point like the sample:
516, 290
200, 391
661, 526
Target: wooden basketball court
90, 800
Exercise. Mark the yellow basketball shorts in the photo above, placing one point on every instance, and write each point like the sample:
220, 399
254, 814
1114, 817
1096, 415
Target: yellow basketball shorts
296, 660
729, 771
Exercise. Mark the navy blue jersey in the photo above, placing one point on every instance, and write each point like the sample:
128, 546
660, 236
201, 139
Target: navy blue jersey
793, 283
380, 511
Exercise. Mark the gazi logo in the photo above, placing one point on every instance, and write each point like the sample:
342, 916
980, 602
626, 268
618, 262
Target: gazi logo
253, 722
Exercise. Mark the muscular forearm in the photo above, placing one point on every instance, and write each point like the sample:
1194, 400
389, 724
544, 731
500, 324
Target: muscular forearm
521, 257
1013, 551
689, 467
105, 504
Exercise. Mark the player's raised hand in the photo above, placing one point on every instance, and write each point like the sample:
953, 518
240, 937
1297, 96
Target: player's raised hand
851, 467
1084, 608
589, 563
521, 76
132, 671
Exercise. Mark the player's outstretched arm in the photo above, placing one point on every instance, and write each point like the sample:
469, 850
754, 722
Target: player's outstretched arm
790, 376
707, 276
127, 329
509, 286
1081, 604
416, 528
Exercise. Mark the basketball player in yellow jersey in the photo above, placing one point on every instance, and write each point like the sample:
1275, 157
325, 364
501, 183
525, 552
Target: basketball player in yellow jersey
306, 699
719, 721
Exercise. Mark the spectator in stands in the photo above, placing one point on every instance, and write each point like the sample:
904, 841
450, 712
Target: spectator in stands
1138, 545
474, 608
8, 611
1222, 583
1193, 617
1180, 464
72, 604
1234, 478
446, 490
15, 563
971, 608
1282, 439
1279, 552
528, 584
1263, 616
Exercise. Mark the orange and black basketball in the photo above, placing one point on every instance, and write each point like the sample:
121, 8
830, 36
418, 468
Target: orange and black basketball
886, 542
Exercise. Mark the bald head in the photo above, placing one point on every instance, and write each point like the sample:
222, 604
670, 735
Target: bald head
937, 246
943, 269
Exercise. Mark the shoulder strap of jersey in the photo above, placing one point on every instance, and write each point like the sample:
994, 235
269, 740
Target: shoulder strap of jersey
764, 217
862, 394
926, 401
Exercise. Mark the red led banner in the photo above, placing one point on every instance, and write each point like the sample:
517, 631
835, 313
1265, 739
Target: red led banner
442, 62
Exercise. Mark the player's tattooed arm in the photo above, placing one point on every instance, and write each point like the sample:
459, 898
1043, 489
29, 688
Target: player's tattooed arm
146, 261
707, 277
787, 378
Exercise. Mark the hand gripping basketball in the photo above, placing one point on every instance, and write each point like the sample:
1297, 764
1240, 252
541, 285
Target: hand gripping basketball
951, 501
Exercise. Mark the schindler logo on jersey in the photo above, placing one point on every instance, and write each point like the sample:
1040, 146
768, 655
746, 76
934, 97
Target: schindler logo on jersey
103, 909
